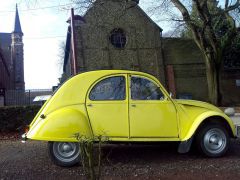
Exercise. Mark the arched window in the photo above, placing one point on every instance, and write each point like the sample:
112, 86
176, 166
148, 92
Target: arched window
118, 38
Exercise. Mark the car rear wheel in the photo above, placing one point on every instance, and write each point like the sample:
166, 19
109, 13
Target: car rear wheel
65, 154
213, 140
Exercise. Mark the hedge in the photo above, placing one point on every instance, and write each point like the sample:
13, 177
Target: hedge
13, 119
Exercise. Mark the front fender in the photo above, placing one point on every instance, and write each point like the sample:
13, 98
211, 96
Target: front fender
203, 117
61, 125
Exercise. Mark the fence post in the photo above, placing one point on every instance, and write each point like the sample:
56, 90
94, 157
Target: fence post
171, 80
29, 97
2, 94
22, 97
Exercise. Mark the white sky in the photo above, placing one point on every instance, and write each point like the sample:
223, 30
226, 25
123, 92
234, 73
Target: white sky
43, 30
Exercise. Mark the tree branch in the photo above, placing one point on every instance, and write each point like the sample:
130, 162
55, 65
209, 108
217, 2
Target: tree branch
226, 4
182, 9
187, 18
233, 7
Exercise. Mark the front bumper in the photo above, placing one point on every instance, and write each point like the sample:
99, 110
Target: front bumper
24, 138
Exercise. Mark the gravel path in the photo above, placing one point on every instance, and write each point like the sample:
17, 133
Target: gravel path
161, 161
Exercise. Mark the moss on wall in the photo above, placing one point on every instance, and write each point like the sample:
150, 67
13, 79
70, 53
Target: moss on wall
188, 65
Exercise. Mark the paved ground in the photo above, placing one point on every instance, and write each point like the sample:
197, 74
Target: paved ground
31, 161
161, 161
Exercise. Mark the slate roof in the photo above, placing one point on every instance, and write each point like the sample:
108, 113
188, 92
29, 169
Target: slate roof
5, 39
5, 45
2, 59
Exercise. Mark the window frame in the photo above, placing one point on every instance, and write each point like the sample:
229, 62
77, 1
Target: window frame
148, 100
113, 31
104, 78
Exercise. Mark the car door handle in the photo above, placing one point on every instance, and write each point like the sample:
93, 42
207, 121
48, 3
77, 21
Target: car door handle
90, 105
134, 105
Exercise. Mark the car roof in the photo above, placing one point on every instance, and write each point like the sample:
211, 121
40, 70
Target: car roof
109, 72
79, 86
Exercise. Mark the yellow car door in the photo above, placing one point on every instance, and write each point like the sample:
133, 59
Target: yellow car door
151, 114
107, 107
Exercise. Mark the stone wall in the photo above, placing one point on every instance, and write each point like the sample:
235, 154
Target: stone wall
190, 72
143, 47
229, 89
188, 66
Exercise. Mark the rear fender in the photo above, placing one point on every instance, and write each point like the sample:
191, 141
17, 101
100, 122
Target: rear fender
61, 125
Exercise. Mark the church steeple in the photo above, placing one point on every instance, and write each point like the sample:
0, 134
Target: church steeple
17, 24
17, 54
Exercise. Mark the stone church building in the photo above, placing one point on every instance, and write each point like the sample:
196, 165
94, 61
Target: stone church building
11, 58
117, 34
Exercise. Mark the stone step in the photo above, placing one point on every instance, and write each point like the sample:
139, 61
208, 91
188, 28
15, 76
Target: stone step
236, 119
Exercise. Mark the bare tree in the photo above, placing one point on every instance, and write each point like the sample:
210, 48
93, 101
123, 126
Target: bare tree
211, 45
61, 54
213, 27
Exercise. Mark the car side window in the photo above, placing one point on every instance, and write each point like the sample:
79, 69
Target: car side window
143, 89
112, 88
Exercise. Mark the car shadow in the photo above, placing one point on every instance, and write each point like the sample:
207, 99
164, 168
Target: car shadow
142, 153
164, 152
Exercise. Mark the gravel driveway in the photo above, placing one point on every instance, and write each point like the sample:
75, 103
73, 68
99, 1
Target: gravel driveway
161, 161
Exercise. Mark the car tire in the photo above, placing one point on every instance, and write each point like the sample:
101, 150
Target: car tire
64, 154
212, 140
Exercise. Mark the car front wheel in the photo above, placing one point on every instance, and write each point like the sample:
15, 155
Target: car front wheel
213, 140
65, 154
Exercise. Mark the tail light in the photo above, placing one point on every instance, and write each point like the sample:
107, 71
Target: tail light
26, 129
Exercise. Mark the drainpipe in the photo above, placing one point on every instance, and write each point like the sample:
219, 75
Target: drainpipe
74, 52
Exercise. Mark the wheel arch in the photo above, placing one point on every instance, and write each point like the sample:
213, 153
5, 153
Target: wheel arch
210, 117
216, 120
61, 125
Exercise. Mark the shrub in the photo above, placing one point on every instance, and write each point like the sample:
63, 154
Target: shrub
13, 119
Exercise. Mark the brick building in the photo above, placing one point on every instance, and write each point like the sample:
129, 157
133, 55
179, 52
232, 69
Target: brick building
11, 58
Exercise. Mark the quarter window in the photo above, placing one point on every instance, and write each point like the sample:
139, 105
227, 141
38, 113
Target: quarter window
143, 89
112, 88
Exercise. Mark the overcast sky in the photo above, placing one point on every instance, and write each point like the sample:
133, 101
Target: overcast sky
44, 29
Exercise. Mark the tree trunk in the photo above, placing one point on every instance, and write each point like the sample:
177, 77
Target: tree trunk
213, 80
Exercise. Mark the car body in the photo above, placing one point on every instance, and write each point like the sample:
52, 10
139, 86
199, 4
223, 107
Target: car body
126, 106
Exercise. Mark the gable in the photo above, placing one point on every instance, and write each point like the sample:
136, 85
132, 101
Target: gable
106, 16
141, 11
112, 12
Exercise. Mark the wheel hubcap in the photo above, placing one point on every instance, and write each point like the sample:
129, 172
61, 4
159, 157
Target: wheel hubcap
66, 148
66, 151
215, 141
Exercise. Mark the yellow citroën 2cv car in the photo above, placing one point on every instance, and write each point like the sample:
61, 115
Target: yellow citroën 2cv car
126, 106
